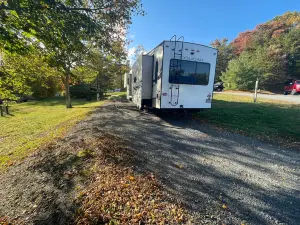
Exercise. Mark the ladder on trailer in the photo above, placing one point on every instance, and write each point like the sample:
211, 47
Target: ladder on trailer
174, 89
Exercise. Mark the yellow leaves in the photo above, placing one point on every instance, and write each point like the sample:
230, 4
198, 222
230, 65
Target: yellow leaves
131, 178
10, 163
179, 218
178, 165
138, 216
224, 206
6, 221
173, 211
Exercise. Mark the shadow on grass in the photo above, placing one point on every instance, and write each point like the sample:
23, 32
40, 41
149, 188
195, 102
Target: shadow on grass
60, 101
52, 102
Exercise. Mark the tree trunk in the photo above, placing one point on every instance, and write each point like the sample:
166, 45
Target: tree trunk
98, 88
6, 110
67, 86
1, 110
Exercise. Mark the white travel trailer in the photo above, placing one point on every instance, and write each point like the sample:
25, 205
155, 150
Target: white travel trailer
174, 75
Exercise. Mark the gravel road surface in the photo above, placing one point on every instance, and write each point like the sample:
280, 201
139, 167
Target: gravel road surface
224, 177
287, 98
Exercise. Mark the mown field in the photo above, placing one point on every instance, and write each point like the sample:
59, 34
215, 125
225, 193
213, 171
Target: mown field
267, 119
37, 123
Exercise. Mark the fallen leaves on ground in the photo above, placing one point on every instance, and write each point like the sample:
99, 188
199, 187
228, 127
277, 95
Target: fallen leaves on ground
118, 195
7, 221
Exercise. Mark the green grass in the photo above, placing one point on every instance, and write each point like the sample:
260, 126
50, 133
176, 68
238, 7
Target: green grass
37, 123
266, 119
116, 93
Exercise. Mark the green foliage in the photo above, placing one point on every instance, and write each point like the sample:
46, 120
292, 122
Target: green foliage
291, 48
225, 54
270, 53
25, 75
240, 74
260, 64
65, 31
46, 88
82, 91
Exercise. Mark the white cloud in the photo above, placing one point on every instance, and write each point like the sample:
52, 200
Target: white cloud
131, 51
131, 54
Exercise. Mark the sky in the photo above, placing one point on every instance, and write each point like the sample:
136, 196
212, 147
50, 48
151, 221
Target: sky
202, 21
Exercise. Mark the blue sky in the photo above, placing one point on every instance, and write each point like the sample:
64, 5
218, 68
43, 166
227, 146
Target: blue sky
202, 21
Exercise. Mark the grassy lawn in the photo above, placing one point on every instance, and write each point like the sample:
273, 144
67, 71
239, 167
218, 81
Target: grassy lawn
266, 119
116, 93
33, 124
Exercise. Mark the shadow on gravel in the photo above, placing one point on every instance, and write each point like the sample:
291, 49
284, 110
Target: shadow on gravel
64, 168
226, 178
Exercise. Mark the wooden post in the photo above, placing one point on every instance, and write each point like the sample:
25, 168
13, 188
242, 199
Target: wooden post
256, 87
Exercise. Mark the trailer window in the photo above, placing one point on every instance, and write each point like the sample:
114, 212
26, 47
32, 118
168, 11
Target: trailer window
188, 72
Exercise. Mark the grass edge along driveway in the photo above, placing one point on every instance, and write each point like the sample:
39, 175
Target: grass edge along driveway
275, 121
37, 123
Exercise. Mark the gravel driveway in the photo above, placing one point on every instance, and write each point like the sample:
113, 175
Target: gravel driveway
285, 98
224, 177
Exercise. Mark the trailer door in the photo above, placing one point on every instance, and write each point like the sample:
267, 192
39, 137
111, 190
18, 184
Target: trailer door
156, 84
157, 75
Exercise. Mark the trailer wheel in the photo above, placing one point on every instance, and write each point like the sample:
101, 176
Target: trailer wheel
286, 93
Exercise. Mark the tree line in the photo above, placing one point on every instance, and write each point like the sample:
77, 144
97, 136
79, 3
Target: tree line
270, 54
47, 45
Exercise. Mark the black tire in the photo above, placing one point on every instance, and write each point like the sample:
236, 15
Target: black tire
286, 93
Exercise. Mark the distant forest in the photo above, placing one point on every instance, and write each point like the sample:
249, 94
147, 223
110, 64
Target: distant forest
269, 53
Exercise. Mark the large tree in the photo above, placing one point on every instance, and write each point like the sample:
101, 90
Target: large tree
66, 29
272, 50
